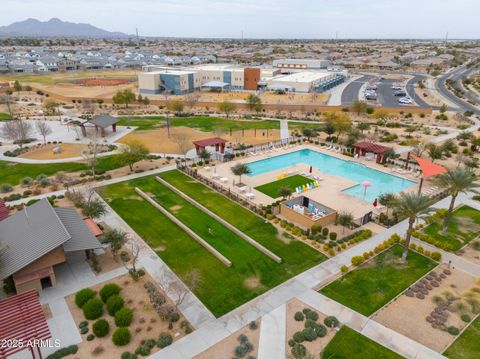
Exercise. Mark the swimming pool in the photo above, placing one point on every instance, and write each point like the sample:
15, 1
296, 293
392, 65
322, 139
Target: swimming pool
380, 182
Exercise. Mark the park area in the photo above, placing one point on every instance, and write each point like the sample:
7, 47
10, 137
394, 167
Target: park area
222, 288
462, 229
467, 346
272, 189
369, 287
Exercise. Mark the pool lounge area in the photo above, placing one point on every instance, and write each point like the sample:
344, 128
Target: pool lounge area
307, 213
380, 182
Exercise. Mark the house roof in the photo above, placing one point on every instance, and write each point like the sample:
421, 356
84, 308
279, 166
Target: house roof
103, 121
372, 147
37, 230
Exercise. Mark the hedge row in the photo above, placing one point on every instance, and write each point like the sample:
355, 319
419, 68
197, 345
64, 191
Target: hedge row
430, 240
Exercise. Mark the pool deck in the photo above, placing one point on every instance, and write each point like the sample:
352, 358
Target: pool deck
329, 193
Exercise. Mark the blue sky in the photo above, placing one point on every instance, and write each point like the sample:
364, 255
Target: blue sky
262, 18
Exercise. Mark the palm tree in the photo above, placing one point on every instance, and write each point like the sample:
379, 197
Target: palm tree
460, 180
239, 170
386, 200
435, 152
412, 206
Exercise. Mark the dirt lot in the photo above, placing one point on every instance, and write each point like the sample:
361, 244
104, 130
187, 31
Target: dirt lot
315, 347
158, 142
146, 322
68, 150
407, 315
225, 348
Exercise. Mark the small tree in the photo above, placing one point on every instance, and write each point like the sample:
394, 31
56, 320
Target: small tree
386, 199
443, 108
363, 126
254, 103
43, 129
93, 149
359, 107
116, 239
17, 130
241, 169
50, 106
434, 152
345, 219
183, 142
191, 100
93, 208
226, 107
124, 97
285, 192
176, 106
17, 86
133, 152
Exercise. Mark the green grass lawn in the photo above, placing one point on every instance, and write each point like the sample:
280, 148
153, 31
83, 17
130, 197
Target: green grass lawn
12, 173
222, 288
349, 344
373, 284
4, 116
271, 189
208, 124
467, 346
464, 227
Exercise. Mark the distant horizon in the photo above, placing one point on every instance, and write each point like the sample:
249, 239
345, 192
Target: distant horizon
263, 19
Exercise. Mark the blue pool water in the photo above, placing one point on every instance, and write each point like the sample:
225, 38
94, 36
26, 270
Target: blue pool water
380, 182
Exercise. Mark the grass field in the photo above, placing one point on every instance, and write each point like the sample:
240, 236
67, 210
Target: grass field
222, 288
271, 189
349, 344
467, 346
208, 124
4, 116
12, 173
52, 78
464, 227
373, 284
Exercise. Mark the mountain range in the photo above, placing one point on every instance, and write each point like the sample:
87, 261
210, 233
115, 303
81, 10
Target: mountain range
56, 28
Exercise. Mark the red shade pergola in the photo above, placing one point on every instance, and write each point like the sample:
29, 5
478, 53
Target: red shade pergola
429, 169
363, 147
218, 142
22, 321
3, 211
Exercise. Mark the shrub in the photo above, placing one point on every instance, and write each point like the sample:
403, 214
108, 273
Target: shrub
83, 330
93, 309
299, 337
325, 232
90, 337
240, 351
123, 317
313, 315
309, 334
26, 181
128, 355
299, 316
164, 340
242, 338
453, 330
299, 351
320, 329
5, 188
101, 328
114, 304
121, 336
83, 296
253, 325
436, 256
344, 268
309, 323
316, 229
466, 318
331, 322
333, 236
357, 260
63, 352
108, 290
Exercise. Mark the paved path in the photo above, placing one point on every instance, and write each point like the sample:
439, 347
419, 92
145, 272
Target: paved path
335, 98
273, 332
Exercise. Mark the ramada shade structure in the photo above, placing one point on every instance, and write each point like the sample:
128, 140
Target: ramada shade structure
22, 320
429, 169
218, 142
100, 122
361, 148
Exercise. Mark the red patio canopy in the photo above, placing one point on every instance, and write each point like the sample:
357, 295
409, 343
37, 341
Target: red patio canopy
22, 320
363, 147
429, 169
218, 142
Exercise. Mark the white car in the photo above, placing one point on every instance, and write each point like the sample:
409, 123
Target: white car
405, 100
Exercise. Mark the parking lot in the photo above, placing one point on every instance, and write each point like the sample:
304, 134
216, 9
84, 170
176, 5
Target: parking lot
387, 93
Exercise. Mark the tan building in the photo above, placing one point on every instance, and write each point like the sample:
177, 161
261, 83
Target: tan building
306, 213
38, 238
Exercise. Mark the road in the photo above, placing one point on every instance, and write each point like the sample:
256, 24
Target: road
351, 92
455, 75
410, 87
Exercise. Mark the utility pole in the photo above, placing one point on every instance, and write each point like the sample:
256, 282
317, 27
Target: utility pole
138, 40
